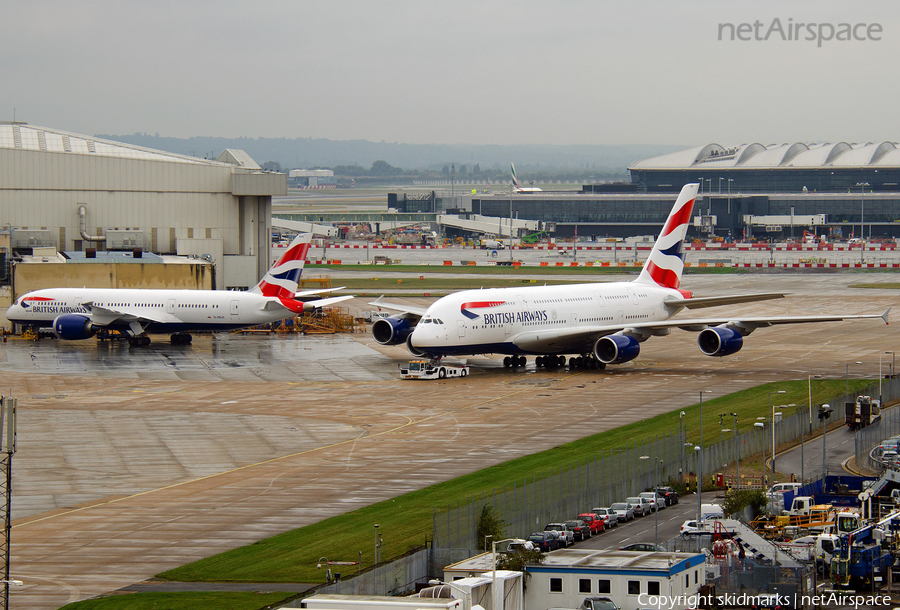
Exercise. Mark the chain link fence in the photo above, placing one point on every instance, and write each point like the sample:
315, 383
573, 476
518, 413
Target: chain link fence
526, 505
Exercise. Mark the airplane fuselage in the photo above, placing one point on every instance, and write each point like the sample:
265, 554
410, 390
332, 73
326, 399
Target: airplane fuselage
490, 320
171, 311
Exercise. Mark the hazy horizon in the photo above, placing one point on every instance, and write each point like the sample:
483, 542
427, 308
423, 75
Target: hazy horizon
464, 73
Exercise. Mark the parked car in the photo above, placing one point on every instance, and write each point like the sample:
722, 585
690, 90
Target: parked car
889, 458
579, 529
598, 603
690, 527
669, 494
624, 511
594, 522
608, 515
561, 539
566, 536
641, 505
644, 546
656, 502
515, 545
544, 541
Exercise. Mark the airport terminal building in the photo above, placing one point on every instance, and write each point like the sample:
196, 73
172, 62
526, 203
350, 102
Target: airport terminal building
751, 190
75, 192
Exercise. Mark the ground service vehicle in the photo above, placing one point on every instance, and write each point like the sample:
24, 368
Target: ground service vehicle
431, 369
861, 413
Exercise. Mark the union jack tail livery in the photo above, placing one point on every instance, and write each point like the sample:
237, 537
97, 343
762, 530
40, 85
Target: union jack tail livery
282, 279
666, 260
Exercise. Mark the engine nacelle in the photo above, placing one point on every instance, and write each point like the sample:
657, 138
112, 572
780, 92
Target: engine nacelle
616, 349
73, 327
413, 350
392, 331
720, 341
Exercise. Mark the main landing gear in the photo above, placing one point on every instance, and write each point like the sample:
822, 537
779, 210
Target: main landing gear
575, 362
139, 341
514, 361
181, 339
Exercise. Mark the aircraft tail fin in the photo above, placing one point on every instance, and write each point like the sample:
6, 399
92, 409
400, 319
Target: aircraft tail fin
282, 279
512, 169
666, 261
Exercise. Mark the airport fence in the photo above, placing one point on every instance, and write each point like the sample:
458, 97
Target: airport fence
560, 494
887, 426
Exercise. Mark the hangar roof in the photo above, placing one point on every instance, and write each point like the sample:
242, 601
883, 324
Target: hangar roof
21, 136
789, 154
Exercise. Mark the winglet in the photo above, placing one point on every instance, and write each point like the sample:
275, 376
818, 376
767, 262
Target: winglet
884, 316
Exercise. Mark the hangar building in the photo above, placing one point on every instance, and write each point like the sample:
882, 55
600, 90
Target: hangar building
74, 192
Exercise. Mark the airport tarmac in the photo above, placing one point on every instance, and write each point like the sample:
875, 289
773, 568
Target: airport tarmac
132, 461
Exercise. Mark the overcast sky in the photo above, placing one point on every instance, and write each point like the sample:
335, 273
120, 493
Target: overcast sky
479, 72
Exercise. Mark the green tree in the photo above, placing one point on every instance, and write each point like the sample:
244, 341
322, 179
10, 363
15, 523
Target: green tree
516, 561
490, 524
383, 168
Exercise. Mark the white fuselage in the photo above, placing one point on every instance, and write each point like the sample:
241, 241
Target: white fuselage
170, 310
488, 321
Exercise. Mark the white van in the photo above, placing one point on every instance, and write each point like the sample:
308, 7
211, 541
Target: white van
779, 489
711, 511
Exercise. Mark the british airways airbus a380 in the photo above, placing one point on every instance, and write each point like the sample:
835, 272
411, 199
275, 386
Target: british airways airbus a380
78, 313
598, 324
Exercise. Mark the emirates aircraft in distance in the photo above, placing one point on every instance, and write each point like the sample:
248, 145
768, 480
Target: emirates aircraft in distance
519, 188
78, 313
598, 324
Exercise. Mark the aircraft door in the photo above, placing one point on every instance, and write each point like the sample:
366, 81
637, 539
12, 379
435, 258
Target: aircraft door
235, 308
170, 306
461, 328
620, 317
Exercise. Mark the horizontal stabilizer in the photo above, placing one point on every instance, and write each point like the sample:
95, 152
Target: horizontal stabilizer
701, 302
326, 302
411, 309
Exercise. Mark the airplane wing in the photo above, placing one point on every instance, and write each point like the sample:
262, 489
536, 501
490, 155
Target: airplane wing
557, 339
328, 301
701, 302
104, 316
306, 293
410, 309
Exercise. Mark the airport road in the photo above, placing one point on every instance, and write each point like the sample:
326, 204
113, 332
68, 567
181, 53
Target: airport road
132, 462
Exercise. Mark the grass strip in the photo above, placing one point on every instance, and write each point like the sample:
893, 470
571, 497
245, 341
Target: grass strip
212, 600
406, 521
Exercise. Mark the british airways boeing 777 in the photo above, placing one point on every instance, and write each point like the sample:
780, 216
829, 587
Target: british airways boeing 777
78, 313
598, 324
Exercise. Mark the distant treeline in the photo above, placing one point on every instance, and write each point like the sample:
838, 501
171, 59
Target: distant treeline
364, 159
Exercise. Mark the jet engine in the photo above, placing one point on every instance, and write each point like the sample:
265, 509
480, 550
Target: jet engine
720, 341
616, 349
413, 350
392, 331
73, 327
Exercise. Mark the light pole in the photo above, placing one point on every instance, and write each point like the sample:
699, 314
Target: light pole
730, 180
655, 485
824, 414
720, 184
495, 594
892, 363
772, 409
376, 544
847, 375
862, 228
319, 565
681, 440
762, 427
699, 447
737, 452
